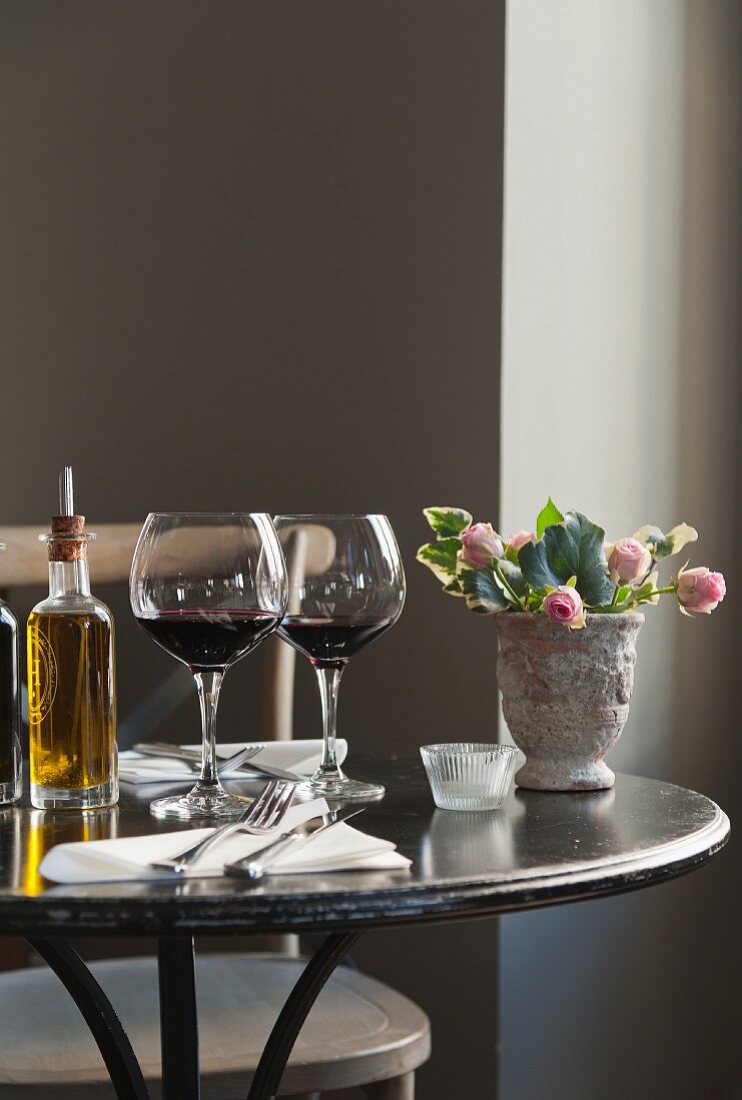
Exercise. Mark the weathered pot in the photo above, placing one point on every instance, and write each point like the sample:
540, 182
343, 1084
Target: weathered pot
565, 695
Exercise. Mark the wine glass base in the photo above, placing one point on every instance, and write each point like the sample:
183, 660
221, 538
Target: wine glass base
340, 787
195, 806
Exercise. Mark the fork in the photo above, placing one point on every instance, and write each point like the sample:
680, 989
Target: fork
192, 758
263, 816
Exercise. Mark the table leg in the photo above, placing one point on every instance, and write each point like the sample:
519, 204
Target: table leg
281, 1041
98, 1012
178, 1019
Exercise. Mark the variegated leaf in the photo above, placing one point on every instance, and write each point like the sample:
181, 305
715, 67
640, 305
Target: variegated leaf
662, 546
481, 591
447, 522
440, 558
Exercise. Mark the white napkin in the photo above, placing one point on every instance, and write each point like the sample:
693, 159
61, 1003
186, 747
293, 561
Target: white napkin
303, 757
338, 849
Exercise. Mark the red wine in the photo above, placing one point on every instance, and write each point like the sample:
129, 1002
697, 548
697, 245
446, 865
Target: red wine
207, 640
330, 642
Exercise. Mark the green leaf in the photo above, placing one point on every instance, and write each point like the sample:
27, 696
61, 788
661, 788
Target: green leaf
647, 593
481, 591
660, 549
514, 576
447, 522
549, 514
536, 566
511, 553
572, 548
453, 588
440, 557
503, 580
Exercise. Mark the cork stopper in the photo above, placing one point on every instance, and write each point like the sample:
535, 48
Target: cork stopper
68, 540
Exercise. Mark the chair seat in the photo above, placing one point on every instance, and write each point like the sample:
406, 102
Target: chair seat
358, 1031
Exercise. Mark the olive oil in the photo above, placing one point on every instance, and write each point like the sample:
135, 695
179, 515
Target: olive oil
72, 719
71, 678
43, 830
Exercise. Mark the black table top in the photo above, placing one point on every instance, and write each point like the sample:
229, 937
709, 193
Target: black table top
542, 848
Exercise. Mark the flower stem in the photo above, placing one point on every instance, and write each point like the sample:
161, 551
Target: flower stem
614, 608
514, 595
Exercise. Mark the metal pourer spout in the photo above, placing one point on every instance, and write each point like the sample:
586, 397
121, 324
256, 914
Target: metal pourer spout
66, 492
68, 541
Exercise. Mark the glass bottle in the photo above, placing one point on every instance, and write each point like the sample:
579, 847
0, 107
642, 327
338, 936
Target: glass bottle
71, 678
10, 713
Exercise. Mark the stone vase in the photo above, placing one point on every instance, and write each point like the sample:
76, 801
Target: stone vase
565, 695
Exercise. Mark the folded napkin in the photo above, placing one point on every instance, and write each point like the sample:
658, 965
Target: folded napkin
303, 757
341, 848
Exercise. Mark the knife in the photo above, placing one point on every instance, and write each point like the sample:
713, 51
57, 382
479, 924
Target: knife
193, 757
258, 863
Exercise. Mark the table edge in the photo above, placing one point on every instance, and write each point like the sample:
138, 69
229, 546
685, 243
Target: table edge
445, 901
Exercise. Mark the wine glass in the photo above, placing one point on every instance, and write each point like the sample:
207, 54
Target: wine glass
346, 587
208, 588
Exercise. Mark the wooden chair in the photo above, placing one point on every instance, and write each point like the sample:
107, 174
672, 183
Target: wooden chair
24, 565
360, 1033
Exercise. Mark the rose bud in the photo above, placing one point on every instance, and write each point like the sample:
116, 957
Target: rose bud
700, 591
480, 544
628, 561
520, 538
564, 605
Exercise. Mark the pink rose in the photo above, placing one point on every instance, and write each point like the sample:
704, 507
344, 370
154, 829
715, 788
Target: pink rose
628, 561
700, 591
480, 544
520, 538
564, 605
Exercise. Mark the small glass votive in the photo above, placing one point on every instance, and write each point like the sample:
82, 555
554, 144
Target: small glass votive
469, 776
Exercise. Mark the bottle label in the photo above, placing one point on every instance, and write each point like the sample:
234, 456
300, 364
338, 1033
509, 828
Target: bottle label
42, 685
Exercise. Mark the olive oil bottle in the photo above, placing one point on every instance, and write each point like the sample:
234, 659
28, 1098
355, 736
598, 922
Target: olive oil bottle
10, 713
71, 677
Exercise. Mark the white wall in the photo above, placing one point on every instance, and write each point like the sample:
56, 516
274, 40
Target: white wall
592, 289
618, 268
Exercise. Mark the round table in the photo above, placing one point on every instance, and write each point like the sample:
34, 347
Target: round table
540, 849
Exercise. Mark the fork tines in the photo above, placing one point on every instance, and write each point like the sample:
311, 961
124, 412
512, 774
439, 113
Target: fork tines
269, 807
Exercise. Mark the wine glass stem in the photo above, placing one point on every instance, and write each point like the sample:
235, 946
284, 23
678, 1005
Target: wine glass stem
208, 684
329, 686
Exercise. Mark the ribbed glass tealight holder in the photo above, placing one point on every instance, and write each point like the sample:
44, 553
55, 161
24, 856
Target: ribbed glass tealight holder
468, 775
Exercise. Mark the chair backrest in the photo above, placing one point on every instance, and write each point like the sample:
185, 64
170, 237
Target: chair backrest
24, 564
313, 552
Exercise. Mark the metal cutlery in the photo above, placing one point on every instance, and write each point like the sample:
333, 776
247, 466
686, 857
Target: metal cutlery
162, 750
259, 863
263, 816
192, 757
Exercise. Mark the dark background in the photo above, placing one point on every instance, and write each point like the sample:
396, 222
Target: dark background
251, 261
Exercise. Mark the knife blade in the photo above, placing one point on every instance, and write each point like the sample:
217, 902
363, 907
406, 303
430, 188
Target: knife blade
259, 863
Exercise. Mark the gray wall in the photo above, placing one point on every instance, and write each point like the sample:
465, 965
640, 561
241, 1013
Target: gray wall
251, 260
